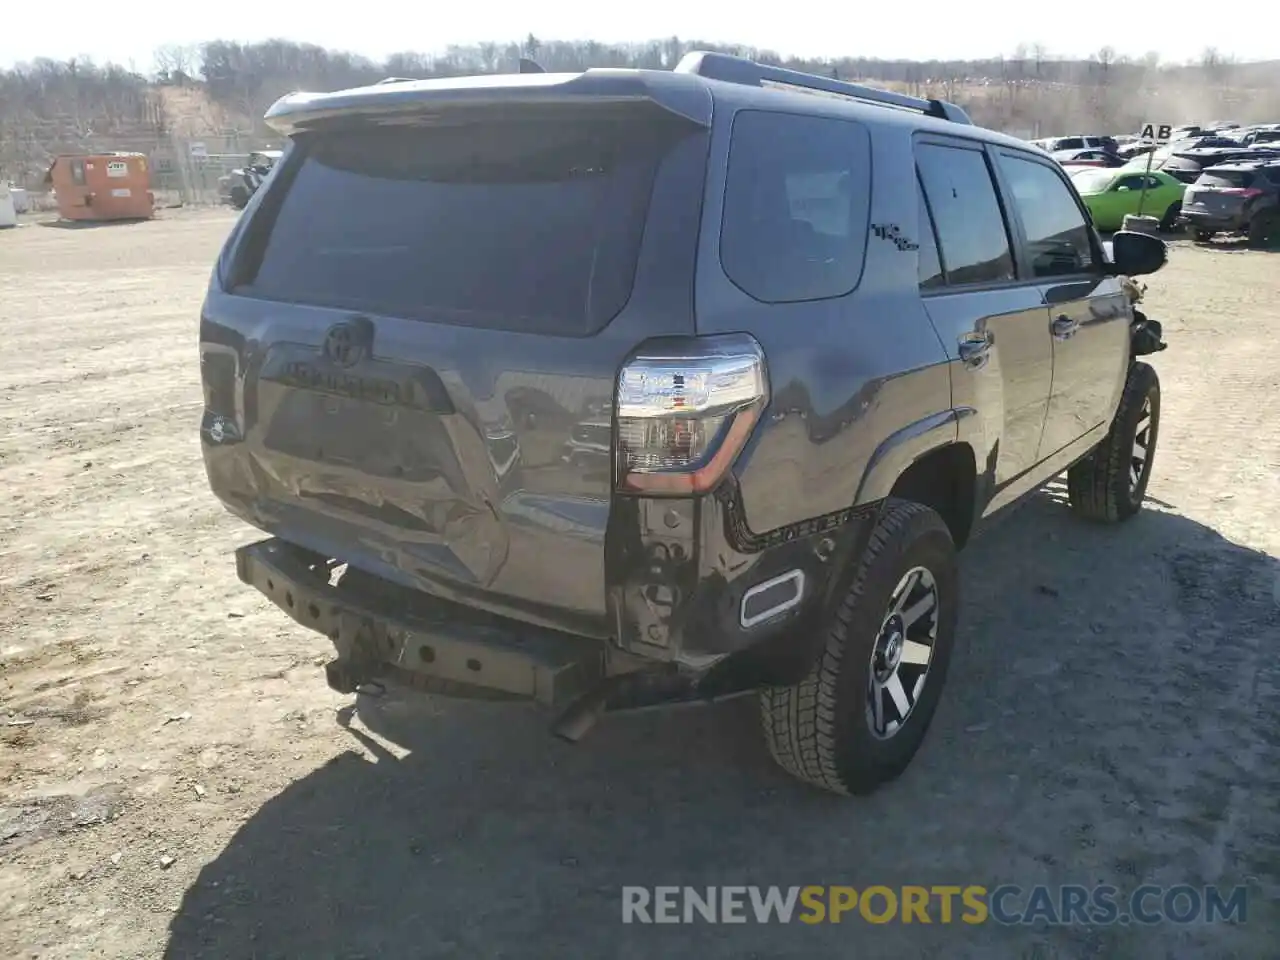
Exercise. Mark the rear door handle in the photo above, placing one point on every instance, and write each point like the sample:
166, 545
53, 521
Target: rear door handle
974, 349
1064, 327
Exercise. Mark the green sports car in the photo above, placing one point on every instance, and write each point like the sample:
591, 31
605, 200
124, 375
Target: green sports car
1111, 194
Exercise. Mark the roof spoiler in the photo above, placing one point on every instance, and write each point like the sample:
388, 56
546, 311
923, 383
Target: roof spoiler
395, 100
730, 69
526, 66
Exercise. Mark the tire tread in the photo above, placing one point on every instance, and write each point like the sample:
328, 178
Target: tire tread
799, 721
1098, 486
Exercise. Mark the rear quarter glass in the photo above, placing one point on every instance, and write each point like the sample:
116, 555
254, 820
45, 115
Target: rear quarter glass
1226, 179
796, 206
510, 225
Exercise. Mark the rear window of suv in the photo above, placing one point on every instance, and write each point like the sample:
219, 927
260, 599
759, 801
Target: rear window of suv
796, 203
1226, 179
520, 226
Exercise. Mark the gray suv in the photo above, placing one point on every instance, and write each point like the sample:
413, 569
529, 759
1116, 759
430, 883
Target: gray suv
1240, 196
621, 388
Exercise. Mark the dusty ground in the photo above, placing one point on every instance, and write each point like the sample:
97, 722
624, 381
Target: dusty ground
176, 780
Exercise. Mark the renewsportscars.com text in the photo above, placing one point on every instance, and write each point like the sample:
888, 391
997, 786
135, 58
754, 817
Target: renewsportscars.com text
972, 904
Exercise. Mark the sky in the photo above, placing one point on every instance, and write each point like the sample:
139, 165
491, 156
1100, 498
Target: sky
937, 29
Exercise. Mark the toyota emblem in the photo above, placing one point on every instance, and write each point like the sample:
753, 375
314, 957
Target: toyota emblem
345, 344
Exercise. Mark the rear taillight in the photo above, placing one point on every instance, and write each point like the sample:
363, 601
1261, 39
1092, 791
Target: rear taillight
684, 412
218, 378
1247, 192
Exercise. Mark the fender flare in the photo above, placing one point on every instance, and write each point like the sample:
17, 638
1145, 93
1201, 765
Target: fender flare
905, 446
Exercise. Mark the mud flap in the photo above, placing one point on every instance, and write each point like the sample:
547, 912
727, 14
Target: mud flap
1146, 336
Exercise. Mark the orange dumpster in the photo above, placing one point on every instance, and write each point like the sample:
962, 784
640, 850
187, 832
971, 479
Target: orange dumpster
102, 186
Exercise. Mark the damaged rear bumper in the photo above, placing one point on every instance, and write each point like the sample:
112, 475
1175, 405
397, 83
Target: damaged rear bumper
385, 632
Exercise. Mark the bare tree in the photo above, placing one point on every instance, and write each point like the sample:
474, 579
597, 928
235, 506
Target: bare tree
48, 107
1038, 56
1105, 58
175, 63
1217, 69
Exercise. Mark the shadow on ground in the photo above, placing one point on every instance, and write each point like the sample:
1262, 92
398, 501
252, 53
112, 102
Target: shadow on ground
1219, 244
1239, 245
91, 224
1110, 718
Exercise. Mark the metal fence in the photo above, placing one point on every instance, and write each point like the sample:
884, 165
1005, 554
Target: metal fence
184, 169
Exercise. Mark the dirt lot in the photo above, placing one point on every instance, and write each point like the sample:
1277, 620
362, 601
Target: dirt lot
176, 780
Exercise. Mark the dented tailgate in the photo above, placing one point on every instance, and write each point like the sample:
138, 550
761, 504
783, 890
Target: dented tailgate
402, 347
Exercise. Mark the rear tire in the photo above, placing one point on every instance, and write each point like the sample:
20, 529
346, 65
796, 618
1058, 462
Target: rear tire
1109, 485
1264, 229
858, 718
1169, 222
1200, 236
239, 197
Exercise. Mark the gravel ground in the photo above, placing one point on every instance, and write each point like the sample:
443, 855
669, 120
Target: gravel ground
177, 781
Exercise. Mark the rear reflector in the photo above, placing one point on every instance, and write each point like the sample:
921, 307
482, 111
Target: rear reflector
684, 412
767, 600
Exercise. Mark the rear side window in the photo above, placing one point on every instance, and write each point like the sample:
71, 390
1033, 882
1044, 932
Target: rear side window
1133, 181
1058, 238
1071, 143
971, 229
795, 206
1226, 179
519, 226
930, 263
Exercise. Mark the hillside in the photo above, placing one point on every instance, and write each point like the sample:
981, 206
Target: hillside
210, 100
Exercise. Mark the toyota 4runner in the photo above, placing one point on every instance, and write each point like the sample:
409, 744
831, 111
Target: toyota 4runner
624, 387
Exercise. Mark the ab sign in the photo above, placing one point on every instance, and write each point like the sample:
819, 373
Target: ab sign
1159, 132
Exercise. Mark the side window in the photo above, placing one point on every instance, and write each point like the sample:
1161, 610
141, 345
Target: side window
796, 201
77, 172
1071, 143
1058, 238
930, 264
971, 230
1133, 182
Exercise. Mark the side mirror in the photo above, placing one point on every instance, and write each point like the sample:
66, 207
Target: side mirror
1135, 254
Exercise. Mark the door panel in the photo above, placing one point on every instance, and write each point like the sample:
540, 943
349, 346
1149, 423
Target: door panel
1009, 387
993, 327
1090, 336
1086, 312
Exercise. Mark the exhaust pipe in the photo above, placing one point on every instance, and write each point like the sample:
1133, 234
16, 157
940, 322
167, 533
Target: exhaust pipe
629, 691
582, 715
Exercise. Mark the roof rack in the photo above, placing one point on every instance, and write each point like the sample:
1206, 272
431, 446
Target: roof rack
731, 69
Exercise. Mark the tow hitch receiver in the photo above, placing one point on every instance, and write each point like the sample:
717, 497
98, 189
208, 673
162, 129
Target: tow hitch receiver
344, 677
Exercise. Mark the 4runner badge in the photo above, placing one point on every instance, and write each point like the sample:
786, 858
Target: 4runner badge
893, 233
